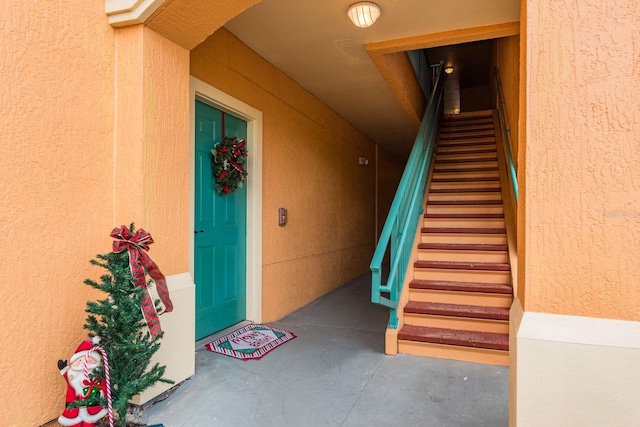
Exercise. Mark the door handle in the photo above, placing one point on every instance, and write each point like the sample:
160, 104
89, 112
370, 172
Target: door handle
198, 231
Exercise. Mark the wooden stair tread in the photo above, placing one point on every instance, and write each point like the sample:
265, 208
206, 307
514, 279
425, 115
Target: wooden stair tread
484, 123
467, 127
463, 265
456, 337
464, 247
475, 116
457, 310
466, 134
477, 121
473, 160
458, 139
465, 118
453, 132
476, 287
464, 216
466, 144
486, 120
464, 190
463, 230
467, 170
464, 202
490, 178
469, 151
469, 117
465, 152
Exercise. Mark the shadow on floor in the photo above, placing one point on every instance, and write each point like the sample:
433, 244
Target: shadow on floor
335, 373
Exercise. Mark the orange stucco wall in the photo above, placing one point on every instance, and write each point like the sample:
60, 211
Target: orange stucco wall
508, 63
151, 170
57, 67
582, 177
310, 167
389, 174
189, 22
166, 166
82, 151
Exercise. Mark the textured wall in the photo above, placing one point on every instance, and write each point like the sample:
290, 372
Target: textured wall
56, 144
189, 22
310, 167
75, 173
151, 144
508, 63
476, 99
166, 165
582, 175
389, 174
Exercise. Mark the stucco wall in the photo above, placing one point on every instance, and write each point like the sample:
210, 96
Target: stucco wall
151, 148
475, 99
56, 189
72, 170
508, 63
166, 167
310, 167
189, 22
578, 216
389, 174
582, 174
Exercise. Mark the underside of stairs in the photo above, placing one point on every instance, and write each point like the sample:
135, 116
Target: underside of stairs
460, 292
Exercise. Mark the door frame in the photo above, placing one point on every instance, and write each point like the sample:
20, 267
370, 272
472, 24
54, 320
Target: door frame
225, 102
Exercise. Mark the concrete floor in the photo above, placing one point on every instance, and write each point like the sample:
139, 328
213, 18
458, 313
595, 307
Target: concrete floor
335, 373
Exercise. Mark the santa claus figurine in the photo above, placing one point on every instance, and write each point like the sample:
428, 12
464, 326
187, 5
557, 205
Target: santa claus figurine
79, 387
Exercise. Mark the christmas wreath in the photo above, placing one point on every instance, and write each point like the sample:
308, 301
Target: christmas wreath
229, 160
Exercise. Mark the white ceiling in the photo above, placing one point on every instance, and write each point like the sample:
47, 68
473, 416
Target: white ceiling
315, 43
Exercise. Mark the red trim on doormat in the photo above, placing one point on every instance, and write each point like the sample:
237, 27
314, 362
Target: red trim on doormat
250, 342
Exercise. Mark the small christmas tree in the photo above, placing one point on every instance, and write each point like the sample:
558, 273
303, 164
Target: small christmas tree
119, 322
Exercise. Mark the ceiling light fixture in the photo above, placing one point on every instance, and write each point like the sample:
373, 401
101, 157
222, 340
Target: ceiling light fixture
448, 69
363, 14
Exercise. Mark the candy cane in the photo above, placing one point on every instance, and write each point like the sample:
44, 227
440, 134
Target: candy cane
106, 374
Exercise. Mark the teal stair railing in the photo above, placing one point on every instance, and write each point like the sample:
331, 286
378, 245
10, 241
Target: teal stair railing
506, 134
397, 234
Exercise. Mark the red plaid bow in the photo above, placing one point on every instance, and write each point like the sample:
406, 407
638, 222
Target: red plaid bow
141, 264
238, 151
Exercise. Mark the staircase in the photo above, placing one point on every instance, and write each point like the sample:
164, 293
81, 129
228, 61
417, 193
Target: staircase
460, 294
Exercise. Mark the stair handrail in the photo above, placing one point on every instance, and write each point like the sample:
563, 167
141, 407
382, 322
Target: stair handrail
506, 132
406, 208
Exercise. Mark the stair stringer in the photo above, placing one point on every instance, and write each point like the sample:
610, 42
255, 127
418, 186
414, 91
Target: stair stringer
508, 203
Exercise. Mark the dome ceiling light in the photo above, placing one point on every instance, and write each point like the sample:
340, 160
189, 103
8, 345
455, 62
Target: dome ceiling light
363, 14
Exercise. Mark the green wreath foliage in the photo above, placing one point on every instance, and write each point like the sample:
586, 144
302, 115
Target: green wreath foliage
229, 161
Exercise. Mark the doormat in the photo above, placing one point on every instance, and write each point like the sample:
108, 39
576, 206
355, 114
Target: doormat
250, 342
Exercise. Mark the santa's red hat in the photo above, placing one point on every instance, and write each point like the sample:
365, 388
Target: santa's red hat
84, 347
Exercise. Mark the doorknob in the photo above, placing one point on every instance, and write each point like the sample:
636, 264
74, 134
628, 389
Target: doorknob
198, 231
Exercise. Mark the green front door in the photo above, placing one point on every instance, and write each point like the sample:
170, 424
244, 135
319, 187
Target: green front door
220, 230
